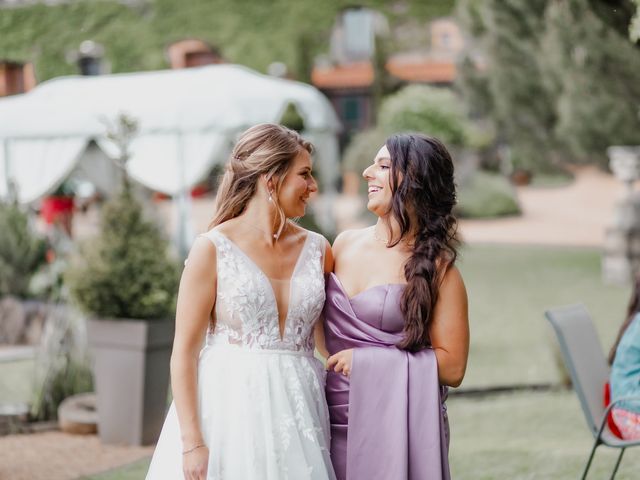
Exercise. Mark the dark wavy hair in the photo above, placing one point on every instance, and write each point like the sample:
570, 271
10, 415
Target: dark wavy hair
423, 196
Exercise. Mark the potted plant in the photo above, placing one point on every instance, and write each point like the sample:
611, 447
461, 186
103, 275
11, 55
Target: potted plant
126, 282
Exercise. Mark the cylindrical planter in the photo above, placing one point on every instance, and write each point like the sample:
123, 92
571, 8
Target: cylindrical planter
131, 376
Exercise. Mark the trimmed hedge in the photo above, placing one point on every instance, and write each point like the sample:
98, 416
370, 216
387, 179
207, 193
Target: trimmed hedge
487, 195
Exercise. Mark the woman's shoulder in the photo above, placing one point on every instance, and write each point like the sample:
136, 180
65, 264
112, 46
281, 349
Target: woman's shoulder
203, 253
348, 237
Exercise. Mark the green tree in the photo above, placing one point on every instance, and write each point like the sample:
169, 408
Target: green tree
561, 78
596, 71
634, 29
430, 110
22, 252
125, 272
520, 103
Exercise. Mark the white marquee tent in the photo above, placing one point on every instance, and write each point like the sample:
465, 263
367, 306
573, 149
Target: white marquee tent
187, 120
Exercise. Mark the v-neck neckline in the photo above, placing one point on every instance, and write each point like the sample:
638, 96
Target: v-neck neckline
282, 332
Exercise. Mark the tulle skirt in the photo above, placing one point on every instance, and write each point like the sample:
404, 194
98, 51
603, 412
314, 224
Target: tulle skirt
263, 416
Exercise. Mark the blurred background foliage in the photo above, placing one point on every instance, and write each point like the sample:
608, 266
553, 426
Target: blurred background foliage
561, 80
249, 33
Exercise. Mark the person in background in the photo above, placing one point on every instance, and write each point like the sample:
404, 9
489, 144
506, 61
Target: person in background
624, 379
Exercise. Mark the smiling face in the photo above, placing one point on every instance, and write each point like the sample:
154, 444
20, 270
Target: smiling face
379, 188
297, 186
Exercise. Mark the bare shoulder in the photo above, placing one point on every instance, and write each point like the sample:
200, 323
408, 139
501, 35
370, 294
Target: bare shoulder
452, 285
202, 257
348, 238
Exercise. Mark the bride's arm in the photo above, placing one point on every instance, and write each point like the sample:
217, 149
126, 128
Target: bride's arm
319, 328
196, 298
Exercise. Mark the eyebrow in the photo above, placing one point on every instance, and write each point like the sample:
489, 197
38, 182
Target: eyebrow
379, 159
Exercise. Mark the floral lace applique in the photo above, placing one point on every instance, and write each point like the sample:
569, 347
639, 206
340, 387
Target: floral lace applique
246, 309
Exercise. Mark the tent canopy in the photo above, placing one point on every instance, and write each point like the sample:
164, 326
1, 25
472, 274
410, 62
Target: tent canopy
187, 122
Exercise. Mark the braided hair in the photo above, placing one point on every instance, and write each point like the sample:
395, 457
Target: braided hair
423, 196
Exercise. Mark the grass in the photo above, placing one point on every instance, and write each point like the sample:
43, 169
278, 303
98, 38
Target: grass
527, 436
16, 381
133, 471
521, 436
509, 289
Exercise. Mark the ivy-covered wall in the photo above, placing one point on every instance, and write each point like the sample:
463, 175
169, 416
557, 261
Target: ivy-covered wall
250, 32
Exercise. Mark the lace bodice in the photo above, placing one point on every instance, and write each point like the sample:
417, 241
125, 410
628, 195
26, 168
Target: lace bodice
246, 309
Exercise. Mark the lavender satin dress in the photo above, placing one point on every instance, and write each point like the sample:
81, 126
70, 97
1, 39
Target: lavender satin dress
388, 420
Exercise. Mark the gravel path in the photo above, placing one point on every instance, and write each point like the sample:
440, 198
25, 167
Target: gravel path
60, 456
573, 215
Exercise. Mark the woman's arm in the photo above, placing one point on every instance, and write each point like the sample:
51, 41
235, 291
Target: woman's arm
319, 328
449, 330
196, 298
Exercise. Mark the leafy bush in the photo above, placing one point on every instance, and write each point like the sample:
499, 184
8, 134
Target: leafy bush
22, 251
487, 195
417, 108
126, 271
433, 111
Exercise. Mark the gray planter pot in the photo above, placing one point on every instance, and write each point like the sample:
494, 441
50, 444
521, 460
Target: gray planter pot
131, 375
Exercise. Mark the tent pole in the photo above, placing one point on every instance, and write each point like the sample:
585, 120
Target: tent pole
182, 202
7, 179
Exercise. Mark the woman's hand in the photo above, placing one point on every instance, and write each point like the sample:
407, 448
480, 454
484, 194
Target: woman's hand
195, 463
341, 362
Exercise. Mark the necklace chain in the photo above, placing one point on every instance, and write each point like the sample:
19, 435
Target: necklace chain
386, 241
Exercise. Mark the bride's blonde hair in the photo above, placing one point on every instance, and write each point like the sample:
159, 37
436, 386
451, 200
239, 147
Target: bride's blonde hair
265, 149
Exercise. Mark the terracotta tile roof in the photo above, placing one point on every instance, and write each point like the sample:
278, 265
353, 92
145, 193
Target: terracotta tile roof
360, 75
426, 71
353, 75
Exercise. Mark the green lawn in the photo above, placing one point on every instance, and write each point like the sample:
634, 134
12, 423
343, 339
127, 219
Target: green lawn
530, 435
16, 381
521, 436
509, 288
134, 471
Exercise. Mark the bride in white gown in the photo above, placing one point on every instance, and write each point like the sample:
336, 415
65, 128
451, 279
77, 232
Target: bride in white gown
250, 405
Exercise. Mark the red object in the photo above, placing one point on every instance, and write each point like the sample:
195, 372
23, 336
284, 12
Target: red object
56, 207
607, 400
199, 191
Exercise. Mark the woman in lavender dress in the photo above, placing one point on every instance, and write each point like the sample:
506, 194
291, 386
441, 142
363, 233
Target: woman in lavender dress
396, 322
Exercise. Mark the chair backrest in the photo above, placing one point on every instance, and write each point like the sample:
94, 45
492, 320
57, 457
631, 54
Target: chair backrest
584, 358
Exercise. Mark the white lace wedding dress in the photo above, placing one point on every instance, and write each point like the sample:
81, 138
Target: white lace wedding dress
261, 397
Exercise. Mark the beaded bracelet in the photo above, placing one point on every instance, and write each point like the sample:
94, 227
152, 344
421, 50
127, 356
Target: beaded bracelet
193, 448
